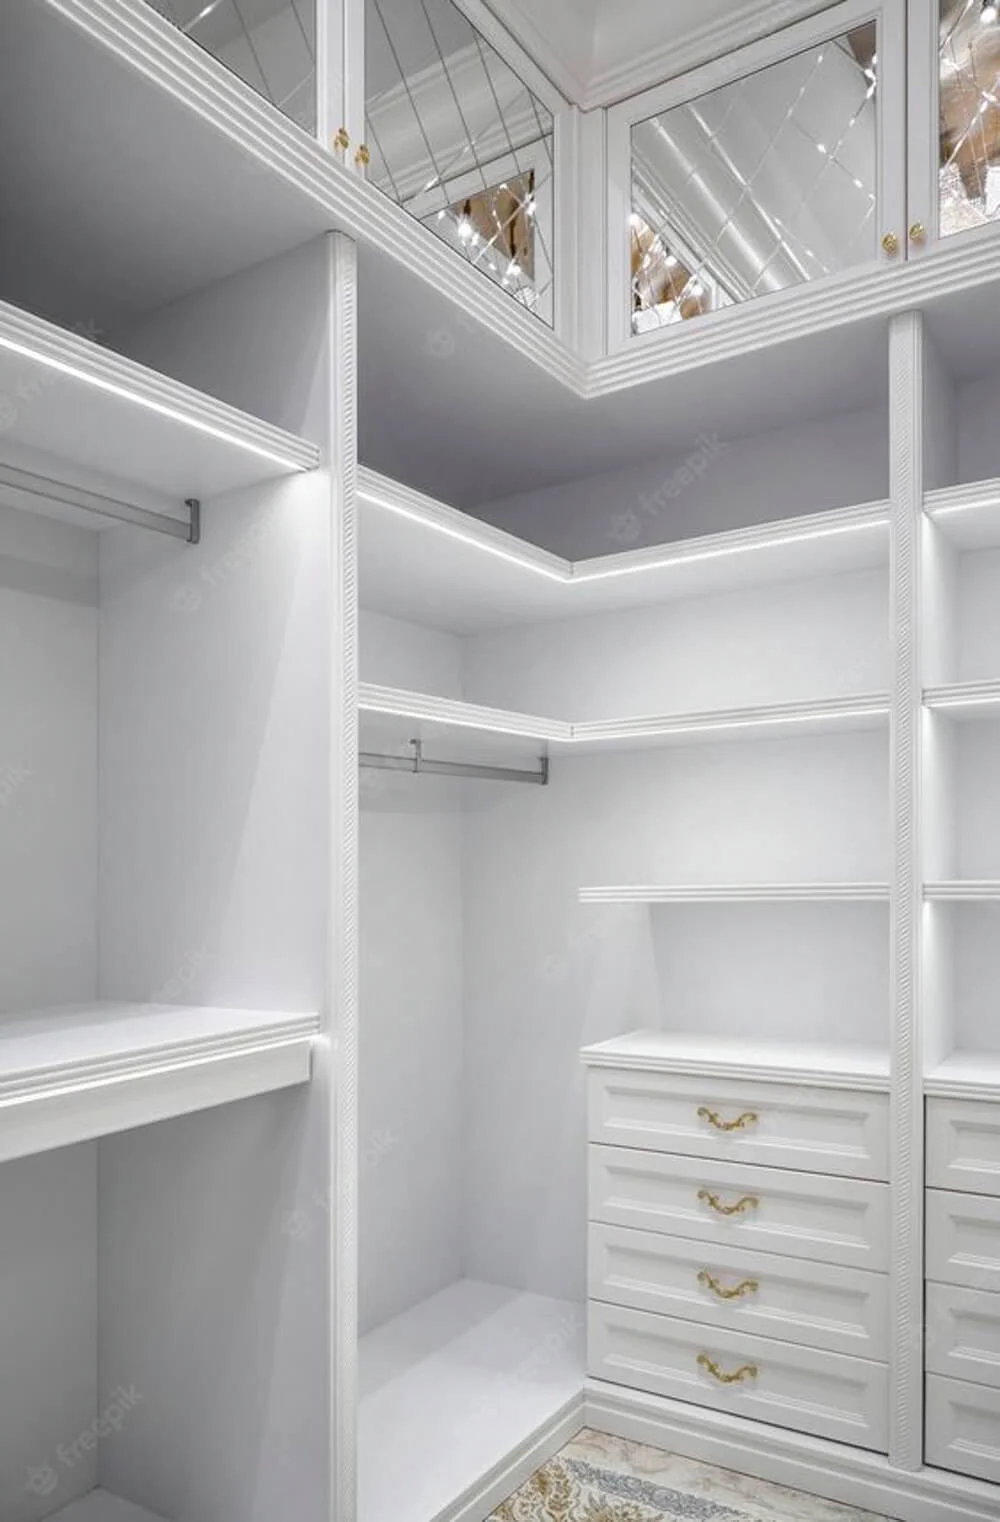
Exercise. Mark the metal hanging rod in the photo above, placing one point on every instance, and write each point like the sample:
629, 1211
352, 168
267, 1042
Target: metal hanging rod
418, 764
106, 507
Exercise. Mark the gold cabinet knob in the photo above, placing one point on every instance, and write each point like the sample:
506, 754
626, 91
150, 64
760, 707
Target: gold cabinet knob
709, 1281
748, 1371
341, 140
363, 157
748, 1118
918, 232
890, 243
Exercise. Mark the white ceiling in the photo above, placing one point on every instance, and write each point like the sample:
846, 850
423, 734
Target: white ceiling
597, 51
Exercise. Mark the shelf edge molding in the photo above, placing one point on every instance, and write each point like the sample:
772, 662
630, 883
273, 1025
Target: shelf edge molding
57, 1104
962, 890
964, 699
739, 893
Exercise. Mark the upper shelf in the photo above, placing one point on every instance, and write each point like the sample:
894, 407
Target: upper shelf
394, 716
965, 1075
79, 1071
66, 398
425, 562
827, 1065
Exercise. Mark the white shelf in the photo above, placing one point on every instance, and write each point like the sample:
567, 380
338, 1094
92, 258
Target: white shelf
964, 700
969, 891
423, 561
79, 1071
965, 1075
825, 1066
487, 1367
394, 716
72, 401
102, 1506
739, 893
967, 515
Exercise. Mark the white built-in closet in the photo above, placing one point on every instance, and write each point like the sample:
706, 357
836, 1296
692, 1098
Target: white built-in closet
165, 1274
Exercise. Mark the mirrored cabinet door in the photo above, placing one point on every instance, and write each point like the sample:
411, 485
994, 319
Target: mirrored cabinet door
778, 166
954, 141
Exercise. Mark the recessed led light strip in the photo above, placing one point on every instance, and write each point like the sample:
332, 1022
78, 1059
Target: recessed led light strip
384, 493
68, 354
453, 713
738, 893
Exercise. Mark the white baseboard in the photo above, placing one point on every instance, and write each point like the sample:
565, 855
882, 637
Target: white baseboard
485, 1496
810, 1464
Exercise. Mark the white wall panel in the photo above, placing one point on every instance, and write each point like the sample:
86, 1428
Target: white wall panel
396, 653
798, 640
48, 762
712, 484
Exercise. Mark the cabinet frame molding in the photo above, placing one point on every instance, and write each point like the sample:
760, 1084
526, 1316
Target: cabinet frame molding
733, 66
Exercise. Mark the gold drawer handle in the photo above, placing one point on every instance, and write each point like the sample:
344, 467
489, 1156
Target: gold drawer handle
748, 1202
748, 1118
748, 1287
748, 1371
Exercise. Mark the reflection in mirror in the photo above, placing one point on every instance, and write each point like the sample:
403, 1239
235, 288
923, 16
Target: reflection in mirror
763, 184
461, 143
969, 162
269, 43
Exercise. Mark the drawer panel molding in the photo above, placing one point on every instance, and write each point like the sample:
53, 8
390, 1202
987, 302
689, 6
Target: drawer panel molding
963, 1428
800, 1215
963, 1146
963, 1240
772, 1124
963, 1334
824, 1394
818, 1305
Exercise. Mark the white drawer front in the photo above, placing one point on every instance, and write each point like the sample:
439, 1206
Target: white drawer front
820, 1305
776, 1124
963, 1428
800, 1215
963, 1239
963, 1334
821, 1393
963, 1145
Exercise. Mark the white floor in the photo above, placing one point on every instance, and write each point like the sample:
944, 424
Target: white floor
102, 1506
451, 1387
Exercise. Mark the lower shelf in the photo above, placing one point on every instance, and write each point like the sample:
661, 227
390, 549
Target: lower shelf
102, 1506
452, 1387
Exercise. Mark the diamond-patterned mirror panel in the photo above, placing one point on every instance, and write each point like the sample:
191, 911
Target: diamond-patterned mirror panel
459, 141
763, 184
969, 159
269, 43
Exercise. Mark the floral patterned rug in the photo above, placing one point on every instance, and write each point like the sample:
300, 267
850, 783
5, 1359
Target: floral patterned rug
598, 1478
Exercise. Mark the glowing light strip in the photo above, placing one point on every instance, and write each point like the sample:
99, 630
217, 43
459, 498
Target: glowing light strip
161, 408
578, 572
937, 699
559, 733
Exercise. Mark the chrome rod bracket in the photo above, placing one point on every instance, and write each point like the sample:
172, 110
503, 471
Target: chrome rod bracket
193, 505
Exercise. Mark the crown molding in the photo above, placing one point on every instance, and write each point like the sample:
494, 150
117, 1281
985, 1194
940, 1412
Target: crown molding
543, 51
651, 65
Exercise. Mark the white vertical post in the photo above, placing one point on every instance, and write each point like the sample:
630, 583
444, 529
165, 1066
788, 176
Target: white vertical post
592, 223
907, 1289
340, 72
566, 231
343, 877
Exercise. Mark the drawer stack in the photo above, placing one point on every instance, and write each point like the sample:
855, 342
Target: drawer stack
963, 1287
738, 1247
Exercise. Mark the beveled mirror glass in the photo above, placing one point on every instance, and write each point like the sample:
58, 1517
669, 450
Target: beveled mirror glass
969, 112
765, 183
459, 141
269, 43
